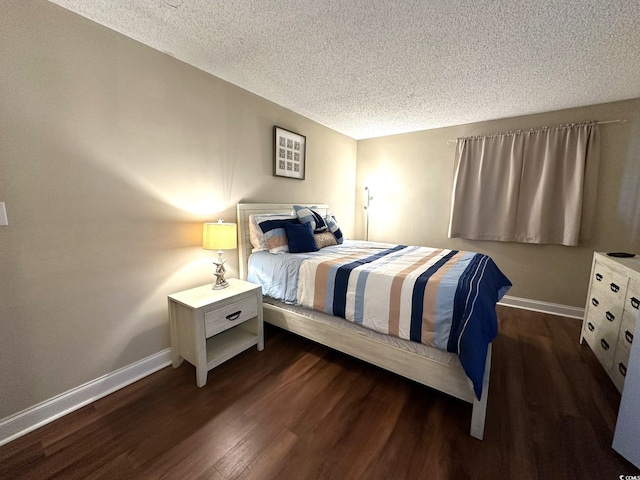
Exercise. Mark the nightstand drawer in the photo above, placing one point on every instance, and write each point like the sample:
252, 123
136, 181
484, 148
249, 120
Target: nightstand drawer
228, 316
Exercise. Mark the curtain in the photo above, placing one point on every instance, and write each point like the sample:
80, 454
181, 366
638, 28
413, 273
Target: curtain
537, 186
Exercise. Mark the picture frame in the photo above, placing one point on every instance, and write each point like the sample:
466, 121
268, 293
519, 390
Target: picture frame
289, 154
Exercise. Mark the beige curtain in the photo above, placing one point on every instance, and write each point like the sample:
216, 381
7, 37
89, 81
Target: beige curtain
533, 187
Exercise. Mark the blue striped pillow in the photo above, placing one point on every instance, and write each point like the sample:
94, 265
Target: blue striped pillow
333, 227
275, 235
309, 215
276, 240
256, 233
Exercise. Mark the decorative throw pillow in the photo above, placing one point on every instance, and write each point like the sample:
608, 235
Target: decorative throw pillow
312, 217
300, 237
325, 239
256, 234
275, 235
276, 241
333, 227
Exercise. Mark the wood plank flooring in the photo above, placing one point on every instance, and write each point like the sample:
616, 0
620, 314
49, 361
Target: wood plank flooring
298, 410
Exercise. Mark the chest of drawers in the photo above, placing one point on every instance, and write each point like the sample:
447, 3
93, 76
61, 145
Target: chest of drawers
610, 316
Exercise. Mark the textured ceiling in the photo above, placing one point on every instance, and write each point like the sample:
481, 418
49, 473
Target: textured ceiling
369, 68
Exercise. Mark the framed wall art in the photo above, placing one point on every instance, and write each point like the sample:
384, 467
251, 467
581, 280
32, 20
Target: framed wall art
289, 154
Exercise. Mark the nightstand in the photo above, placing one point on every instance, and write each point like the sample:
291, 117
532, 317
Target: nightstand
208, 327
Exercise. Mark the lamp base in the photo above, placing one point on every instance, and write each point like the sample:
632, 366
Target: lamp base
220, 282
219, 285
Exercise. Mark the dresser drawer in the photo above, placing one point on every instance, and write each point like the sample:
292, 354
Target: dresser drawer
603, 313
228, 316
619, 367
589, 331
608, 283
627, 328
632, 302
604, 346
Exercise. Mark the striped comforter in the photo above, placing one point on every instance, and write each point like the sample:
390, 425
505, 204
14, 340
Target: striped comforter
442, 298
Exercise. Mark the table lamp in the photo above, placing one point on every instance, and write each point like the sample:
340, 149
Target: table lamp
219, 236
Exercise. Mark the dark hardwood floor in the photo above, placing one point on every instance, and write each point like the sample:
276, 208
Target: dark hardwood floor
298, 410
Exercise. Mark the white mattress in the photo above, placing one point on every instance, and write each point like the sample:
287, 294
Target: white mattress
414, 347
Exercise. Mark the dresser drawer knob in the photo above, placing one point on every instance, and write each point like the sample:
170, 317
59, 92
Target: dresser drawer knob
623, 369
635, 303
598, 277
234, 316
628, 336
595, 302
615, 288
604, 344
610, 316
590, 327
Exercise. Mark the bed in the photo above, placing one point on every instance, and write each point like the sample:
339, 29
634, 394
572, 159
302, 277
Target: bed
430, 366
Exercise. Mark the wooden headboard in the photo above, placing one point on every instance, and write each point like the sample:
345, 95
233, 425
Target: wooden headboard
246, 209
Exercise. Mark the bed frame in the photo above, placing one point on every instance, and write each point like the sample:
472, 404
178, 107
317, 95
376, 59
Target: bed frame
449, 379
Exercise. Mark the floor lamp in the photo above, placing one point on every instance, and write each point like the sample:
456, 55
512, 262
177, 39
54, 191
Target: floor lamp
366, 209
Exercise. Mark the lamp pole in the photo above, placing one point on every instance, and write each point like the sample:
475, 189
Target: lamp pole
366, 208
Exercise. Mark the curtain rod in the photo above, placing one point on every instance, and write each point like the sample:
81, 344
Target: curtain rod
619, 120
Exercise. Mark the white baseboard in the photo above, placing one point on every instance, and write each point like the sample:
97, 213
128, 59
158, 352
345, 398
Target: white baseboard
544, 307
34, 417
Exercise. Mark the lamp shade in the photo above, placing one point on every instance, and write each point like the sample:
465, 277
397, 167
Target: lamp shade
219, 236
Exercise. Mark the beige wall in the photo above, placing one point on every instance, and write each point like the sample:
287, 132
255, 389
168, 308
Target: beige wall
111, 156
412, 178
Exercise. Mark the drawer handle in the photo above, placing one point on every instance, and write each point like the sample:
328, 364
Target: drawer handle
635, 303
598, 277
628, 336
595, 302
604, 344
615, 288
590, 327
610, 316
623, 369
234, 316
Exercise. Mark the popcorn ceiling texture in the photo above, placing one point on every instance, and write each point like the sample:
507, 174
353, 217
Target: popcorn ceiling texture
378, 67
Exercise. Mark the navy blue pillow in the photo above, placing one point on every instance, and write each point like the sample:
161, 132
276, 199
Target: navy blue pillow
300, 237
